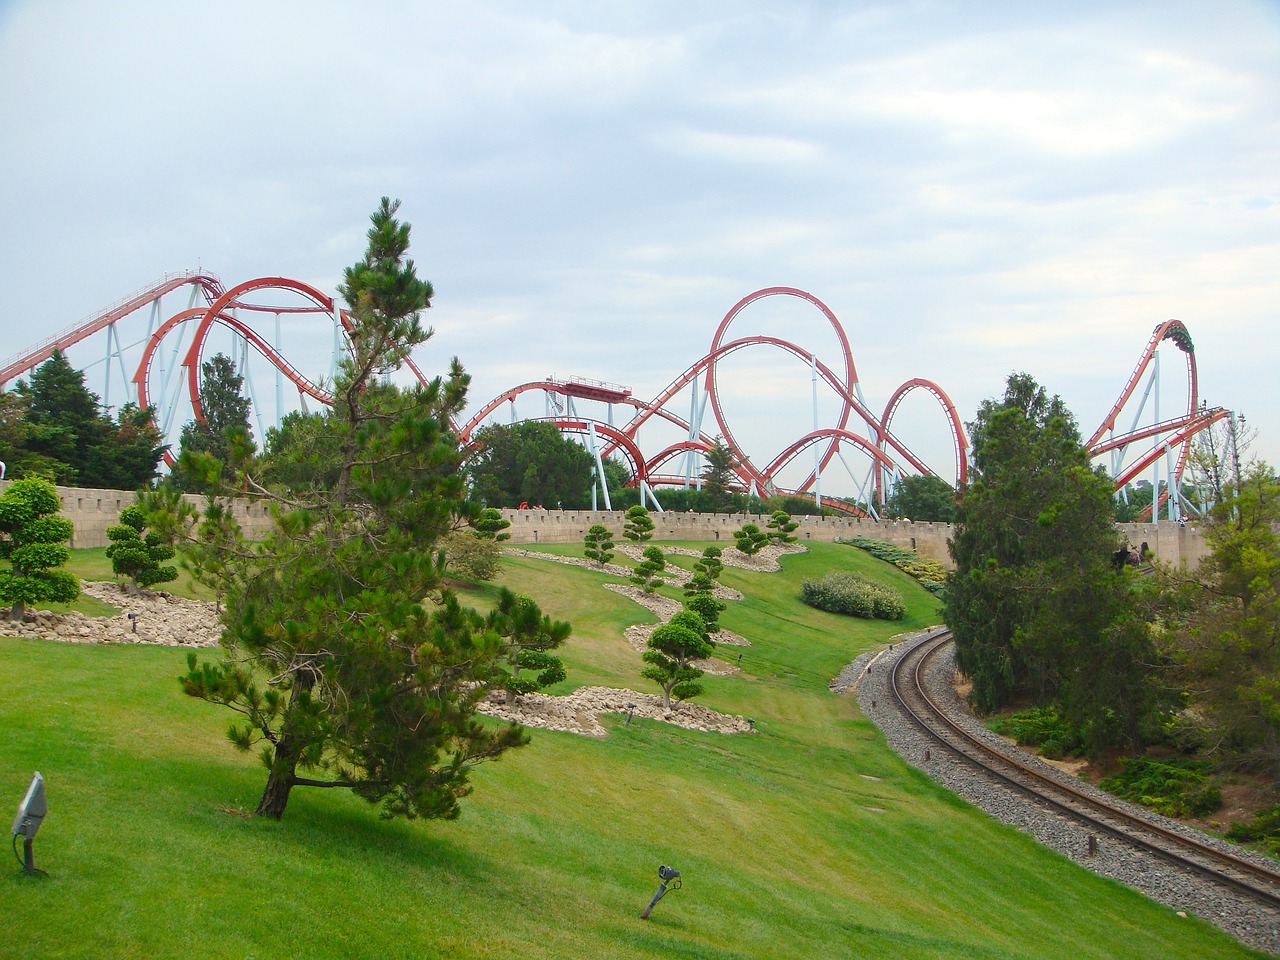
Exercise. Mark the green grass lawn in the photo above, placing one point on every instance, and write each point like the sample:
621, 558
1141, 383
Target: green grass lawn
809, 840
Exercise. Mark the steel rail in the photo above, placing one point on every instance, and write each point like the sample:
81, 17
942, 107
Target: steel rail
1259, 882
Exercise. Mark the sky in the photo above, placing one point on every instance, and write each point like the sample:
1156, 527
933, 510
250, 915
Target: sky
972, 188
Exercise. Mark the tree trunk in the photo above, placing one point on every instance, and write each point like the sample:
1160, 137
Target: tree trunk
275, 796
280, 780
17, 610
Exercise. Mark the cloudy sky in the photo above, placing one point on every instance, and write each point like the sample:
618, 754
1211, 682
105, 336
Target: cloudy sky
973, 188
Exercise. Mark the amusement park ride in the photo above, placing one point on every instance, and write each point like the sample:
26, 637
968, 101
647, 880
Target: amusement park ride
166, 364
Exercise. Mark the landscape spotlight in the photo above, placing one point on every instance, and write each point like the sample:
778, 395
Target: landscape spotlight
631, 709
30, 812
669, 878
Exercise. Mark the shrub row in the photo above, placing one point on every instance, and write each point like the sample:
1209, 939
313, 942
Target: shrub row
855, 596
931, 574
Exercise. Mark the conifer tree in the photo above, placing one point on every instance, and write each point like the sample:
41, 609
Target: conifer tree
138, 555
349, 664
32, 538
673, 648
598, 544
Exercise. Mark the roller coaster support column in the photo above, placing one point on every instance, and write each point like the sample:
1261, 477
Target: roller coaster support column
595, 452
817, 453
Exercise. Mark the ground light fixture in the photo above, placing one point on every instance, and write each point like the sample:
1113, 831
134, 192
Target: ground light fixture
30, 812
669, 879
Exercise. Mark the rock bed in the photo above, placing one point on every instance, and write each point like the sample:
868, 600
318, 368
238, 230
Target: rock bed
161, 618
868, 678
580, 711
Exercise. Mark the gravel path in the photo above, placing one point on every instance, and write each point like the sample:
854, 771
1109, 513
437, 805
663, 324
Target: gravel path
868, 679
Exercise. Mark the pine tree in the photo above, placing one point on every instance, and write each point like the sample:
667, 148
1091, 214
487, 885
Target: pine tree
224, 425
720, 475
598, 544
348, 662
673, 648
138, 555
639, 525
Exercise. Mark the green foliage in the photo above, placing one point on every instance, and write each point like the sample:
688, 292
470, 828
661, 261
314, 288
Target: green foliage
639, 525
598, 544
782, 527
720, 476
530, 462
1175, 787
1226, 633
710, 564
31, 542
223, 431
1034, 602
138, 555
300, 454
527, 637
347, 663
923, 497
673, 647
750, 539
1041, 727
1264, 830
708, 609
108, 717
647, 570
471, 557
67, 435
931, 573
489, 524
843, 592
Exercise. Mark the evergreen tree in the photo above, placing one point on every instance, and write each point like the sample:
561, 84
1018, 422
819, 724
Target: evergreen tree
638, 526
598, 544
138, 555
224, 423
750, 539
673, 648
783, 527
647, 570
129, 453
490, 524
347, 661
1034, 601
528, 636
66, 423
720, 475
32, 538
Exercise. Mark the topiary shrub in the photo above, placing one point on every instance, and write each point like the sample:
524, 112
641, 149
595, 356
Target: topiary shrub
852, 595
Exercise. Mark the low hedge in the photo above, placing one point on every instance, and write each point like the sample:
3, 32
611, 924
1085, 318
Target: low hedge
852, 595
931, 574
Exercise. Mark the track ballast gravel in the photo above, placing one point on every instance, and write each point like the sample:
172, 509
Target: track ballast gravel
1180, 889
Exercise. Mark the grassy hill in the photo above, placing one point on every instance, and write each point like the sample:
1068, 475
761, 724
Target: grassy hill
810, 839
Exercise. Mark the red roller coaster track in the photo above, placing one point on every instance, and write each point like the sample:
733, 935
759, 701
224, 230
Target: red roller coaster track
1133, 450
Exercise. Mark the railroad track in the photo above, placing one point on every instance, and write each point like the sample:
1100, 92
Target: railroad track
1243, 876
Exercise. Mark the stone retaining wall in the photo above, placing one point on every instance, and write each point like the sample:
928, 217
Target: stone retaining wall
93, 511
